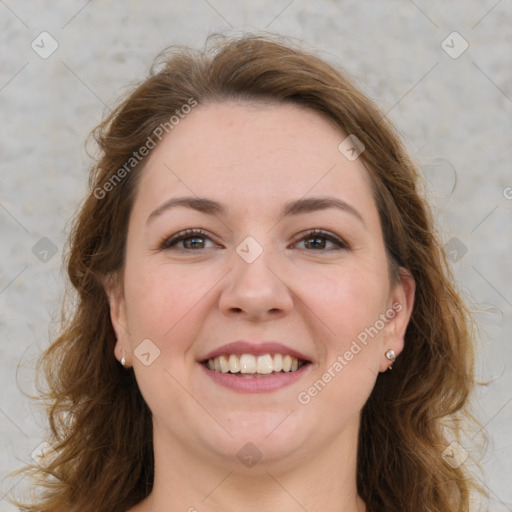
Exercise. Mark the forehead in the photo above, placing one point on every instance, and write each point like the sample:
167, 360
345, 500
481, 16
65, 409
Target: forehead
251, 153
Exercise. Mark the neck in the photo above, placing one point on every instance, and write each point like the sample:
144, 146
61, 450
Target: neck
187, 480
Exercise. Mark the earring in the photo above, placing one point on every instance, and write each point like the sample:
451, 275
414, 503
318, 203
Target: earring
390, 354
123, 359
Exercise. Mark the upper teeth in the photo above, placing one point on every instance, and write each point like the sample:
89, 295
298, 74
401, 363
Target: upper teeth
248, 363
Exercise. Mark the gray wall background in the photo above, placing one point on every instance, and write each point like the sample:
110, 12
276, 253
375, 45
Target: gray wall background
452, 104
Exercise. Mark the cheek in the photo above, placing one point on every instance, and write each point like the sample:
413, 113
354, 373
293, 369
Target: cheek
348, 302
348, 367
165, 304
163, 298
346, 299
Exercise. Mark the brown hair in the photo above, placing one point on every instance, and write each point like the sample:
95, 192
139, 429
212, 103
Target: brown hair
100, 425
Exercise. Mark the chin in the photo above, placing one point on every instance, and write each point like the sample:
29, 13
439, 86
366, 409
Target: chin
275, 435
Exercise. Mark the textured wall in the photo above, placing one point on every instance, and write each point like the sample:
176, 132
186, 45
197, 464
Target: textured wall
452, 103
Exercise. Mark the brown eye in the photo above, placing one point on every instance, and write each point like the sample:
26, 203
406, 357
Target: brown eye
195, 242
319, 240
191, 239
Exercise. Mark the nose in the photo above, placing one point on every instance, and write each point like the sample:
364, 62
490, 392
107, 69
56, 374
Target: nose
257, 290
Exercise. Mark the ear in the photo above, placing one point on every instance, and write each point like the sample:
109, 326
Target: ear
115, 294
399, 311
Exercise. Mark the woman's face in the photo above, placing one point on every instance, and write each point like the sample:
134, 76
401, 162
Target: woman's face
256, 180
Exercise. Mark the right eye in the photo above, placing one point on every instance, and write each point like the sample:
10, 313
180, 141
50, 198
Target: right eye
192, 239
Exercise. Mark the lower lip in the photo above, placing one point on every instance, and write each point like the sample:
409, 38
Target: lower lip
256, 384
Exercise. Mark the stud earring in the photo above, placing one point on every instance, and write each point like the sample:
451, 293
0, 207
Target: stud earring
390, 354
123, 359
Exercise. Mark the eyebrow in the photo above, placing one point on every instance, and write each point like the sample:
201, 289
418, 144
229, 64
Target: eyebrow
296, 207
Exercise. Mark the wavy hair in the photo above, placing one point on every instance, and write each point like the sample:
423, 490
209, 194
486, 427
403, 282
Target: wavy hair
100, 426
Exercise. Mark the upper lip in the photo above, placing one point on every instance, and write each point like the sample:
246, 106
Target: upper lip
254, 348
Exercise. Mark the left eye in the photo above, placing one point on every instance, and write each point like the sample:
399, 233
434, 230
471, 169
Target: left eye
317, 240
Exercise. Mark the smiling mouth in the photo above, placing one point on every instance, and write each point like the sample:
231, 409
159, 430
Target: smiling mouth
250, 366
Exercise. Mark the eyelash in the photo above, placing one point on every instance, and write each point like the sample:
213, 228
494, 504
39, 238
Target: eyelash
170, 243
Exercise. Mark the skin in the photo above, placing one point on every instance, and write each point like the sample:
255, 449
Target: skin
305, 293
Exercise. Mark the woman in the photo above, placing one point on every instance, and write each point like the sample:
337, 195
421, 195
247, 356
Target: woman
252, 260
